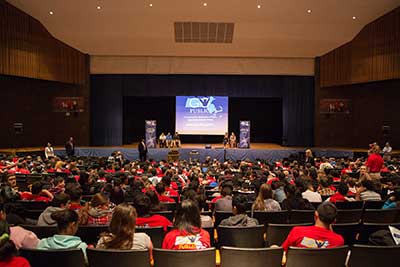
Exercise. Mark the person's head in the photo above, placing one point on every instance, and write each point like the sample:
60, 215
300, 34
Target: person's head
368, 184
239, 204
363, 170
67, 221
160, 188
37, 188
142, 204
99, 201
326, 214
308, 153
265, 192
153, 198
166, 180
343, 189
59, 182
227, 189
324, 182
74, 192
291, 191
11, 180
48, 144
122, 227
60, 200
7, 247
187, 216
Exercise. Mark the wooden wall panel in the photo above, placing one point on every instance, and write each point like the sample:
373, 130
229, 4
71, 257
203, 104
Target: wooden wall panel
373, 55
27, 49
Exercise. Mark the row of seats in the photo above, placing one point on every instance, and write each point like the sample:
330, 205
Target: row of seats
360, 256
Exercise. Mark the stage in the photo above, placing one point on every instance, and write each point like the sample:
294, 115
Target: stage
266, 151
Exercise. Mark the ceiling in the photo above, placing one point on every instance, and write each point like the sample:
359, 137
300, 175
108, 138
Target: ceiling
280, 28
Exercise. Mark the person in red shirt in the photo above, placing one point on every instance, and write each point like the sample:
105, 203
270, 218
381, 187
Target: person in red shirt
318, 236
37, 193
340, 195
374, 163
160, 189
142, 204
8, 251
187, 233
75, 194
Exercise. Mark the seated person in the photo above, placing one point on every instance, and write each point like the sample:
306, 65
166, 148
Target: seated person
393, 201
225, 202
8, 250
366, 192
310, 194
206, 221
75, 194
59, 202
142, 204
98, 212
67, 226
59, 186
340, 195
326, 189
239, 218
9, 190
177, 141
162, 197
37, 193
264, 200
294, 199
122, 231
187, 233
318, 236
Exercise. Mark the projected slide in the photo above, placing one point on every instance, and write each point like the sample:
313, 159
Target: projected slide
206, 115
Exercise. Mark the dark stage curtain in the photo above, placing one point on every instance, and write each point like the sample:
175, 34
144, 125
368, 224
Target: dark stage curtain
296, 92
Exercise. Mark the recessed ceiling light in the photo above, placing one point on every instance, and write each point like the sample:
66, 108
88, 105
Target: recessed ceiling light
51, 12
204, 4
258, 6
354, 17
150, 5
99, 7
309, 11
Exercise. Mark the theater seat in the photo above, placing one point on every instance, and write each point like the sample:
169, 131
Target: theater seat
90, 234
372, 256
156, 234
41, 231
54, 258
348, 231
277, 233
117, 258
167, 214
184, 258
266, 217
221, 215
316, 257
349, 216
243, 237
381, 215
368, 228
254, 257
349, 205
301, 216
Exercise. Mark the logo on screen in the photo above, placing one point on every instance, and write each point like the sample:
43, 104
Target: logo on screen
202, 105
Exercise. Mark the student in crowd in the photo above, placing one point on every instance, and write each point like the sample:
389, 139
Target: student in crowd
318, 236
59, 202
239, 218
122, 231
162, 197
366, 192
142, 204
341, 194
225, 202
67, 226
98, 212
206, 221
8, 250
393, 201
310, 194
75, 194
187, 233
37, 193
374, 163
325, 189
265, 201
294, 199
59, 186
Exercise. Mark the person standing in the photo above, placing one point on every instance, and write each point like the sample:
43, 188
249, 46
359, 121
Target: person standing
374, 163
142, 147
232, 140
162, 140
49, 151
70, 147
387, 151
225, 141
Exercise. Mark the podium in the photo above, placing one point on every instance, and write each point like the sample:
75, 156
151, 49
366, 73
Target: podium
173, 155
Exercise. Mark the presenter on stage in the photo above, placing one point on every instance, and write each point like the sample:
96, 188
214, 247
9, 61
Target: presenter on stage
177, 140
232, 140
142, 150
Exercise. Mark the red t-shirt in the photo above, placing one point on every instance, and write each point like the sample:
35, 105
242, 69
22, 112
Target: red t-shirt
214, 200
374, 162
337, 197
153, 221
29, 196
15, 262
312, 237
182, 240
164, 198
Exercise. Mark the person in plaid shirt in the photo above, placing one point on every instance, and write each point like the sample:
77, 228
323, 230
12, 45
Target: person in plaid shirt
100, 211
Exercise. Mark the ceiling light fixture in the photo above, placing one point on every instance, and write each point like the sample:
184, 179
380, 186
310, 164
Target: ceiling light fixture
150, 5
51, 12
309, 11
98, 7
354, 17
204, 4
258, 6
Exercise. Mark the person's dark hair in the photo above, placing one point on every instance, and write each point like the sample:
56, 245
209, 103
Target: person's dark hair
166, 180
142, 205
60, 199
74, 192
240, 203
64, 218
7, 247
368, 184
58, 180
324, 182
98, 200
187, 217
264, 193
160, 188
343, 189
292, 192
155, 202
227, 190
37, 187
327, 212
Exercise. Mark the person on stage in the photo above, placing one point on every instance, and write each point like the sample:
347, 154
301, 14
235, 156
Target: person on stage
232, 140
162, 140
49, 151
225, 141
177, 141
168, 139
142, 150
70, 147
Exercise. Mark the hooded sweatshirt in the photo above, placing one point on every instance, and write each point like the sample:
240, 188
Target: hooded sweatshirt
62, 242
99, 216
45, 218
239, 220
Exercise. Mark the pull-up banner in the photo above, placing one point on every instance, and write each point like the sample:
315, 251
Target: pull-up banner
244, 141
151, 136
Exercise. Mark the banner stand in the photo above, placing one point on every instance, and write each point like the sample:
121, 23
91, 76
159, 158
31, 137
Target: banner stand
150, 133
244, 137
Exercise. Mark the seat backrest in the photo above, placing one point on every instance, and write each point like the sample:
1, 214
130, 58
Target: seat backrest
244, 237
301, 216
266, 217
41, 231
349, 205
210, 231
184, 258
277, 233
349, 216
254, 257
316, 257
372, 256
170, 206
167, 214
376, 204
221, 215
368, 228
120, 258
90, 234
156, 234
51, 258
380, 215
348, 231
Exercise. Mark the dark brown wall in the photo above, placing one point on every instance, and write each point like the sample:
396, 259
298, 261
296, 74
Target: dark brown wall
373, 55
34, 69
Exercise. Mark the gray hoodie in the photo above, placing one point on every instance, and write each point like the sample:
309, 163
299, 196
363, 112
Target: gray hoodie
45, 218
239, 220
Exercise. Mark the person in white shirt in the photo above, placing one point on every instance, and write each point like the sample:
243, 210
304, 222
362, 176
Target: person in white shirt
387, 151
162, 140
310, 193
49, 151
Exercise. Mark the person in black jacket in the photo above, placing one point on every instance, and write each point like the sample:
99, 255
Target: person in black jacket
70, 147
142, 147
